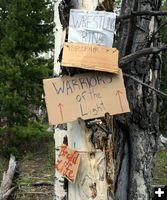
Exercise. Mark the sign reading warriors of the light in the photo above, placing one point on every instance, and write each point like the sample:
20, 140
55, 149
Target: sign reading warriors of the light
86, 96
94, 27
92, 57
68, 162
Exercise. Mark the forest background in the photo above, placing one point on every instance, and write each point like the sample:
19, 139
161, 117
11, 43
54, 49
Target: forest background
26, 58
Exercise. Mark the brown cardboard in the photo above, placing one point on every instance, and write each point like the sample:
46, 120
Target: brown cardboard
68, 162
90, 56
86, 96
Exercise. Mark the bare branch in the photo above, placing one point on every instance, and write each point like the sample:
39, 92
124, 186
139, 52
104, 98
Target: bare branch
141, 13
42, 193
140, 53
146, 85
156, 32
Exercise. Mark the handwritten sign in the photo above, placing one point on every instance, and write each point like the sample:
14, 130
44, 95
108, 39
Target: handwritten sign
87, 96
68, 163
92, 57
95, 27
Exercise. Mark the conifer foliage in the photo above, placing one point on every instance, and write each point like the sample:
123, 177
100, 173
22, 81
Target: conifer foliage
26, 31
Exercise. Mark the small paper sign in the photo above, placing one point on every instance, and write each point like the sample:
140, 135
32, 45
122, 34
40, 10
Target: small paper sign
90, 56
68, 162
93, 27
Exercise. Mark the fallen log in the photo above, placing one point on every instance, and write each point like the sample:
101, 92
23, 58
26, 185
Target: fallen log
5, 188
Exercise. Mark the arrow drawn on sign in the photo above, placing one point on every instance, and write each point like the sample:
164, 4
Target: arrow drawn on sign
61, 110
119, 94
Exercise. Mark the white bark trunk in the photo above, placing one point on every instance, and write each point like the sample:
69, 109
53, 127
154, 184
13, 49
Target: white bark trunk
58, 38
91, 180
60, 192
85, 4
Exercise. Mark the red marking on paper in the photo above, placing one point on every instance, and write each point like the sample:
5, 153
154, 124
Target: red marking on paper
68, 162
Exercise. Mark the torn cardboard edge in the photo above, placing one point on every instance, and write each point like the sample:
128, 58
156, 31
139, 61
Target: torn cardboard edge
90, 57
86, 96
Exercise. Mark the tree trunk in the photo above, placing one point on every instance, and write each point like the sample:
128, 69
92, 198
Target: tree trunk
139, 130
129, 166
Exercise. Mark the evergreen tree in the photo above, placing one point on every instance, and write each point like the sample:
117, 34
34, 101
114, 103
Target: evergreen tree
26, 31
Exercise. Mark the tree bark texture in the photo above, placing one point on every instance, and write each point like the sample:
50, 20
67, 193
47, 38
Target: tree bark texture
129, 166
139, 130
96, 177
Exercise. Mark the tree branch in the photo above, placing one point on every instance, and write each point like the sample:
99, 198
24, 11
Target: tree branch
144, 84
141, 13
140, 53
157, 31
42, 193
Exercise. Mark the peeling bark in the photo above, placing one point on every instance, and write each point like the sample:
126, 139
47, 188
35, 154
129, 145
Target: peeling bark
133, 137
140, 127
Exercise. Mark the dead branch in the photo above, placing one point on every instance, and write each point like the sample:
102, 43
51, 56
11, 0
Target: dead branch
141, 13
146, 85
42, 193
156, 32
37, 184
5, 189
140, 53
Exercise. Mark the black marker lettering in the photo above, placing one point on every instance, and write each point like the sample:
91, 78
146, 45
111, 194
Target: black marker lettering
84, 36
99, 109
96, 21
58, 90
83, 82
100, 80
93, 81
75, 84
95, 37
89, 21
83, 95
80, 22
82, 113
68, 87
76, 23
88, 81
102, 104
103, 21
78, 98
111, 24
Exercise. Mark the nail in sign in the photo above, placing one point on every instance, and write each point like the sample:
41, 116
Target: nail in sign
68, 162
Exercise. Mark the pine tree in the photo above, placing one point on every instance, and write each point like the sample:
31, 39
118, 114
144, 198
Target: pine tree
26, 31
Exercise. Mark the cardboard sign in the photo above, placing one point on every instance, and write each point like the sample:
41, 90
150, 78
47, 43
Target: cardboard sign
94, 27
86, 96
68, 163
92, 57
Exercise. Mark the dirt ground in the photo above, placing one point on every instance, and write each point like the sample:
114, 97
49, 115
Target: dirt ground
34, 175
35, 172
